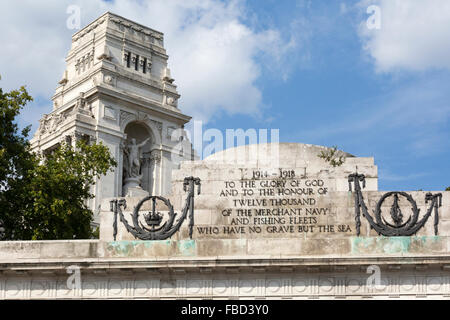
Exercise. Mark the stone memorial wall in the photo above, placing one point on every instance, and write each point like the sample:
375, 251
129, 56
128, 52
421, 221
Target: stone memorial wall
301, 206
281, 225
301, 197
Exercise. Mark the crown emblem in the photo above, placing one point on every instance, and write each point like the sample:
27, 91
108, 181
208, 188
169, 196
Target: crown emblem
153, 218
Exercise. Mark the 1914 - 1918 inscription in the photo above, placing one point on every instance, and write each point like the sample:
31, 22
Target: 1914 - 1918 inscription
275, 202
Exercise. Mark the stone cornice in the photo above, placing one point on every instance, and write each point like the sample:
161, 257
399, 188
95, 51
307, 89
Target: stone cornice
136, 26
323, 264
114, 18
91, 26
100, 252
147, 104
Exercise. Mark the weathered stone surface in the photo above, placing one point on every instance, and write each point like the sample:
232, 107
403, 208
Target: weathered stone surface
399, 245
37, 250
263, 268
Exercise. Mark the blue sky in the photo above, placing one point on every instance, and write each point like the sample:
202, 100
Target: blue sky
336, 97
312, 69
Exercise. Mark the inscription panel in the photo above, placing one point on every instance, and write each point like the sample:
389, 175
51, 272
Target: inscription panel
270, 203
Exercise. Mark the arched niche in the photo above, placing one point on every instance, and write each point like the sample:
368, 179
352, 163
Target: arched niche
140, 132
153, 127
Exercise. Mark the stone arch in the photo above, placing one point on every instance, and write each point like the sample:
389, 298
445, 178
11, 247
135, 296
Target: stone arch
155, 127
139, 131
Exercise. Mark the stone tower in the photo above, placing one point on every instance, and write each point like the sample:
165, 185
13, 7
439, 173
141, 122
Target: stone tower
117, 89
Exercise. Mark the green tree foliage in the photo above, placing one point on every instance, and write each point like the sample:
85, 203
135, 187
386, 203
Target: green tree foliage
59, 190
448, 189
44, 198
16, 162
332, 157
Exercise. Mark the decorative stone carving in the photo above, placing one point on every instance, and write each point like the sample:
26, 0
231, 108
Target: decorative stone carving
43, 124
91, 55
136, 28
155, 156
153, 220
57, 119
51, 123
105, 55
167, 77
44, 283
171, 101
109, 79
64, 79
125, 117
86, 31
158, 125
81, 105
85, 62
150, 157
81, 101
142, 117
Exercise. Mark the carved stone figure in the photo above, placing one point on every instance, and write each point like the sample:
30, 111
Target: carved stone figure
132, 163
82, 106
43, 124
55, 120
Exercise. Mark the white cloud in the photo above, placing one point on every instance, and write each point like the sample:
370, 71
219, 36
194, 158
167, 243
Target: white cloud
214, 56
413, 35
